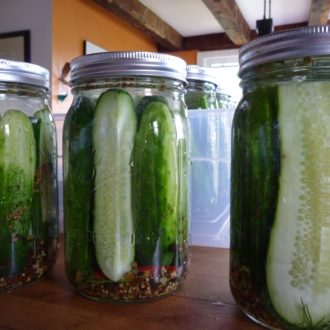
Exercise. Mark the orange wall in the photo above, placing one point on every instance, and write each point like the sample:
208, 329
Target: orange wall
190, 56
77, 20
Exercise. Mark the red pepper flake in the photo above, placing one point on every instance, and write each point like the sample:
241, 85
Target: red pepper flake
98, 275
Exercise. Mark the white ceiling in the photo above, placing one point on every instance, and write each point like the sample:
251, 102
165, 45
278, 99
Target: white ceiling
192, 17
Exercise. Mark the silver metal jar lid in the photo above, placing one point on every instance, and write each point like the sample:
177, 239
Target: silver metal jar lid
109, 64
24, 73
300, 42
201, 73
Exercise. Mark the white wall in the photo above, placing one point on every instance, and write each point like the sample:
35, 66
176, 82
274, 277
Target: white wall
33, 15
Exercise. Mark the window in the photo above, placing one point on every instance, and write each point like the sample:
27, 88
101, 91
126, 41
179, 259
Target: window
225, 64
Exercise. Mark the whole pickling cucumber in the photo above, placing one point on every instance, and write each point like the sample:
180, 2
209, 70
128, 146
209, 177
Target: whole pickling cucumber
114, 131
78, 189
144, 101
45, 189
17, 169
155, 186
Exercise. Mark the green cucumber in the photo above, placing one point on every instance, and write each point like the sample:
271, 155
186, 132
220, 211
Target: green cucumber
145, 100
197, 100
17, 170
201, 100
183, 218
298, 266
155, 186
255, 166
45, 190
78, 189
38, 228
114, 130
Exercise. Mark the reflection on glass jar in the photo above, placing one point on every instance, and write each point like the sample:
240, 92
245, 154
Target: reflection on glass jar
125, 176
28, 176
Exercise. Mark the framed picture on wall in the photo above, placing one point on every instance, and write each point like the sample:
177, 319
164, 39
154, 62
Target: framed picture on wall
15, 46
91, 48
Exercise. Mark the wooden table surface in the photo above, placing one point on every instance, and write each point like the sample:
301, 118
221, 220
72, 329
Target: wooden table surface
204, 302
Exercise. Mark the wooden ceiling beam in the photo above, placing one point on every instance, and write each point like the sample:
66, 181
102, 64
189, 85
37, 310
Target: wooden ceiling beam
319, 12
142, 18
231, 20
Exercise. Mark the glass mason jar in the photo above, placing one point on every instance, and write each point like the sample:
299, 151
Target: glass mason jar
125, 176
225, 101
28, 176
280, 184
201, 89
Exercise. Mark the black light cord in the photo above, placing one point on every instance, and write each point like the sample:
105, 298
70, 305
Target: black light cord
265, 25
269, 9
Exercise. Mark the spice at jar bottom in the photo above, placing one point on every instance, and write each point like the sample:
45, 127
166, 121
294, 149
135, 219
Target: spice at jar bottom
141, 283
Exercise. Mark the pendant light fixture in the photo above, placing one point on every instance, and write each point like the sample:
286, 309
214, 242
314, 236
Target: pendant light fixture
265, 25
